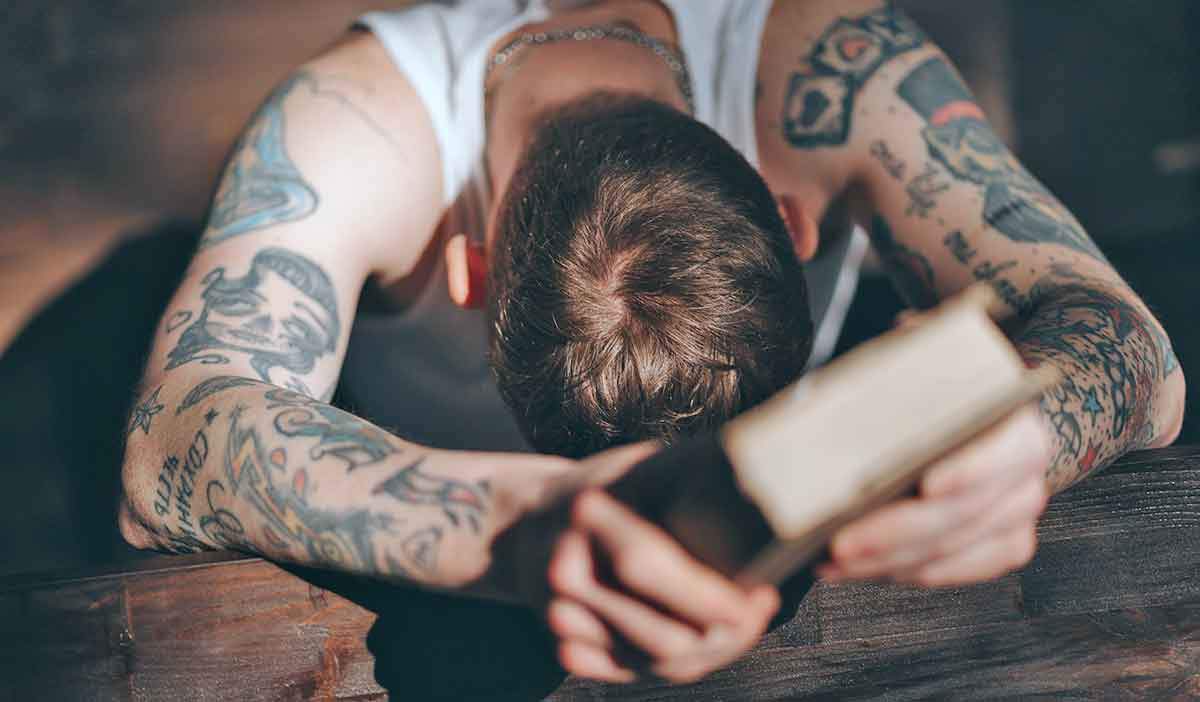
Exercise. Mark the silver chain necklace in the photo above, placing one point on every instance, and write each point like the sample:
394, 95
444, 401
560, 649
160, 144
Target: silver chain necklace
670, 56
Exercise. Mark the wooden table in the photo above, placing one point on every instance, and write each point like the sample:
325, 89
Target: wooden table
1108, 609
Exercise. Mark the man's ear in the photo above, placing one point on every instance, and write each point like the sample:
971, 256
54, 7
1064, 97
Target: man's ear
466, 272
801, 227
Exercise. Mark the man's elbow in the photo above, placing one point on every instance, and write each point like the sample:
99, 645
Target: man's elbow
132, 529
1174, 402
135, 508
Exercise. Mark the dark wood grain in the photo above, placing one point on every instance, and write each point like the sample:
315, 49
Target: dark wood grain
1108, 609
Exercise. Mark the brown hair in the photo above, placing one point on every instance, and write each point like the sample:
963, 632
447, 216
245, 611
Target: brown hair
642, 284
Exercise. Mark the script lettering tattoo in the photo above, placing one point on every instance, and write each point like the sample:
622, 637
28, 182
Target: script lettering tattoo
958, 137
922, 190
820, 95
959, 248
143, 413
890, 162
210, 387
459, 501
989, 272
176, 487
165, 487
910, 271
282, 314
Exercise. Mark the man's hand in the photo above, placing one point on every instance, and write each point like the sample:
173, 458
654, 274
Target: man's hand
623, 597
974, 519
661, 612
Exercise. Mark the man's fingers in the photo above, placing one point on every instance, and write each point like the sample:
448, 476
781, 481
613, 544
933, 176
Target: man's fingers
954, 492
647, 561
907, 524
643, 626
973, 464
571, 621
588, 661
994, 517
1017, 510
984, 561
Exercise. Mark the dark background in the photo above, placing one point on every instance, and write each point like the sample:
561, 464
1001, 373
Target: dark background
115, 116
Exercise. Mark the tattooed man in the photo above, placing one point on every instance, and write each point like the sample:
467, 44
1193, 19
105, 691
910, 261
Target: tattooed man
629, 187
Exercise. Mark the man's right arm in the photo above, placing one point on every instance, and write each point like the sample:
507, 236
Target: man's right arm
251, 466
230, 444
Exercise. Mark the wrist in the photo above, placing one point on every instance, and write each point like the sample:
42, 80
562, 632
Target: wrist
504, 566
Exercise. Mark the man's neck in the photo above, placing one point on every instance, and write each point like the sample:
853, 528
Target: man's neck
543, 76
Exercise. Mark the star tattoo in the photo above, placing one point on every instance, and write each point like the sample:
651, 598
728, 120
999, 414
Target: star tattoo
210, 416
144, 413
1091, 404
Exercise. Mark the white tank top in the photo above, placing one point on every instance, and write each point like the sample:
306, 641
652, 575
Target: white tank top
423, 373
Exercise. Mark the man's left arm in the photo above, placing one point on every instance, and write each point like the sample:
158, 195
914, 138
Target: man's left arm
950, 205
862, 103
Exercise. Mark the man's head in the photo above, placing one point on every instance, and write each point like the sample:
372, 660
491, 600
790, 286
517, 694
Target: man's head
642, 282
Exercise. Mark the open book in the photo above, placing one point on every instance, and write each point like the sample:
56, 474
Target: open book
764, 497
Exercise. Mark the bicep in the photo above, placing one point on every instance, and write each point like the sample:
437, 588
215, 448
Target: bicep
948, 187
332, 179
875, 108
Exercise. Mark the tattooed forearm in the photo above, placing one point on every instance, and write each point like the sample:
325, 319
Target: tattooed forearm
211, 386
143, 413
281, 314
339, 435
1111, 357
458, 500
284, 475
422, 548
910, 271
959, 138
819, 103
333, 538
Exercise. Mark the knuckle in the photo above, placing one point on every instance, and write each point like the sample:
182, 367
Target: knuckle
568, 660
1036, 498
674, 647
634, 567
563, 575
681, 676
1024, 545
925, 577
941, 549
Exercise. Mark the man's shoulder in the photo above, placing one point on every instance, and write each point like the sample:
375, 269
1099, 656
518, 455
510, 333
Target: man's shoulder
375, 139
817, 60
794, 33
